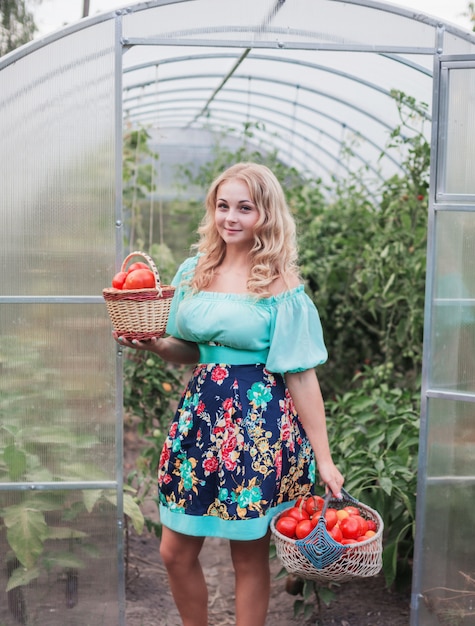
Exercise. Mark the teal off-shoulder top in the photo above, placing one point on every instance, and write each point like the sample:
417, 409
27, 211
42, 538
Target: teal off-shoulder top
283, 332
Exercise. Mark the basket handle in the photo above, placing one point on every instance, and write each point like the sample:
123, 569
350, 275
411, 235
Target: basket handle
328, 496
150, 261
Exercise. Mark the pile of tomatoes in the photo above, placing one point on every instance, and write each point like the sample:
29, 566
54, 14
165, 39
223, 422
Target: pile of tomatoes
345, 525
138, 276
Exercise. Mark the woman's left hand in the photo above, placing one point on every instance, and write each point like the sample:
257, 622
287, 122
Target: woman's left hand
331, 476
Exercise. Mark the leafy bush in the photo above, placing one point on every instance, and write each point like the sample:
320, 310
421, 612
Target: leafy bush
374, 433
365, 265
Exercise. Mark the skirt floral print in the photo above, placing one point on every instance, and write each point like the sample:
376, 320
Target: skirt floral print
236, 448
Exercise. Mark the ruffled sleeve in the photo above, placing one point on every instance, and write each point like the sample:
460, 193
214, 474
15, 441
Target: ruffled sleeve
181, 282
297, 342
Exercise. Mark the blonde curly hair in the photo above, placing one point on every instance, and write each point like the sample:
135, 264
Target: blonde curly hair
274, 253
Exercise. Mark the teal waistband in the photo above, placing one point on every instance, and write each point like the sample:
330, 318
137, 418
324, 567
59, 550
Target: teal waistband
230, 356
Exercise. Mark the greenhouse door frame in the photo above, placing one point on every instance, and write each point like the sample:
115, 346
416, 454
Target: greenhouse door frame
441, 200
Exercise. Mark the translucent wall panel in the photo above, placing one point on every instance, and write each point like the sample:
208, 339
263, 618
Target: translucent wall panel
452, 365
450, 440
60, 548
57, 398
56, 167
70, 547
460, 151
448, 550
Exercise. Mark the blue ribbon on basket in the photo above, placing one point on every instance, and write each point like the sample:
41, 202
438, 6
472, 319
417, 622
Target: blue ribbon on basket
318, 546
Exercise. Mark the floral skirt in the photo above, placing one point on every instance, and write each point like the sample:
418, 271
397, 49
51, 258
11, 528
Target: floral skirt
235, 455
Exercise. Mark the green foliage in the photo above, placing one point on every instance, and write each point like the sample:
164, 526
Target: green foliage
151, 387
365, 265
374, 430
138, 175
17, 25
42, 527
151, 390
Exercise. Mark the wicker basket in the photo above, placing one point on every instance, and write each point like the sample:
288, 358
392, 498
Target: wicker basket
139, 313
319, 557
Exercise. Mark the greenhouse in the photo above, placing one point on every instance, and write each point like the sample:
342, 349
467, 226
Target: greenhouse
313, 82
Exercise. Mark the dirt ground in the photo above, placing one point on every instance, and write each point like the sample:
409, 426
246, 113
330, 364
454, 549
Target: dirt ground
363, 602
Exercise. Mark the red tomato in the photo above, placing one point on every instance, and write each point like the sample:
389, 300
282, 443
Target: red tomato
335, 533
350, 527
314, 504
314, 519
286, 526
303, 528
330, 518
363, 524
137, 266
298, 513
119, 279
371, 525
139, 279
369, 534
352, 510
347, 542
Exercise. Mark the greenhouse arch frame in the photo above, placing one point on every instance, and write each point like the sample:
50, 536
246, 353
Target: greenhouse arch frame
313, 78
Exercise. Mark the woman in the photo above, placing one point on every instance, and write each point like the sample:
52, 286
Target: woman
251, 422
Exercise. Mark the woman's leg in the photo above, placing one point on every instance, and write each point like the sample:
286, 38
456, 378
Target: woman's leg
180, 555
251, 566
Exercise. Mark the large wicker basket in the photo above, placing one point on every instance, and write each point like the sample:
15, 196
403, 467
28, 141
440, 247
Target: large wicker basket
139, 313
319, 557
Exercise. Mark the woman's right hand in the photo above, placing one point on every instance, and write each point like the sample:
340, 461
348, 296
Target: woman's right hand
148, 344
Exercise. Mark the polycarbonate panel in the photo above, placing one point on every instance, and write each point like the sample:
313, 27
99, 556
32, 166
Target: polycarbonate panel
311, 106
323, 21
452, 365
455, 256
460, 151
459, 42
57, 121
450, 439
57, 393
448, 519
73, 573
60, 549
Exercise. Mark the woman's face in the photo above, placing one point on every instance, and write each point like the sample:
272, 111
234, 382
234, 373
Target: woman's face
235, 213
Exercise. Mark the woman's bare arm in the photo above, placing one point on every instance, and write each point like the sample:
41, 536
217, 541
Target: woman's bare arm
307, 397
169, 348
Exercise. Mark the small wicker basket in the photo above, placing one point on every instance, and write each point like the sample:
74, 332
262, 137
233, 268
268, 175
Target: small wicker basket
319, 557
139, 313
